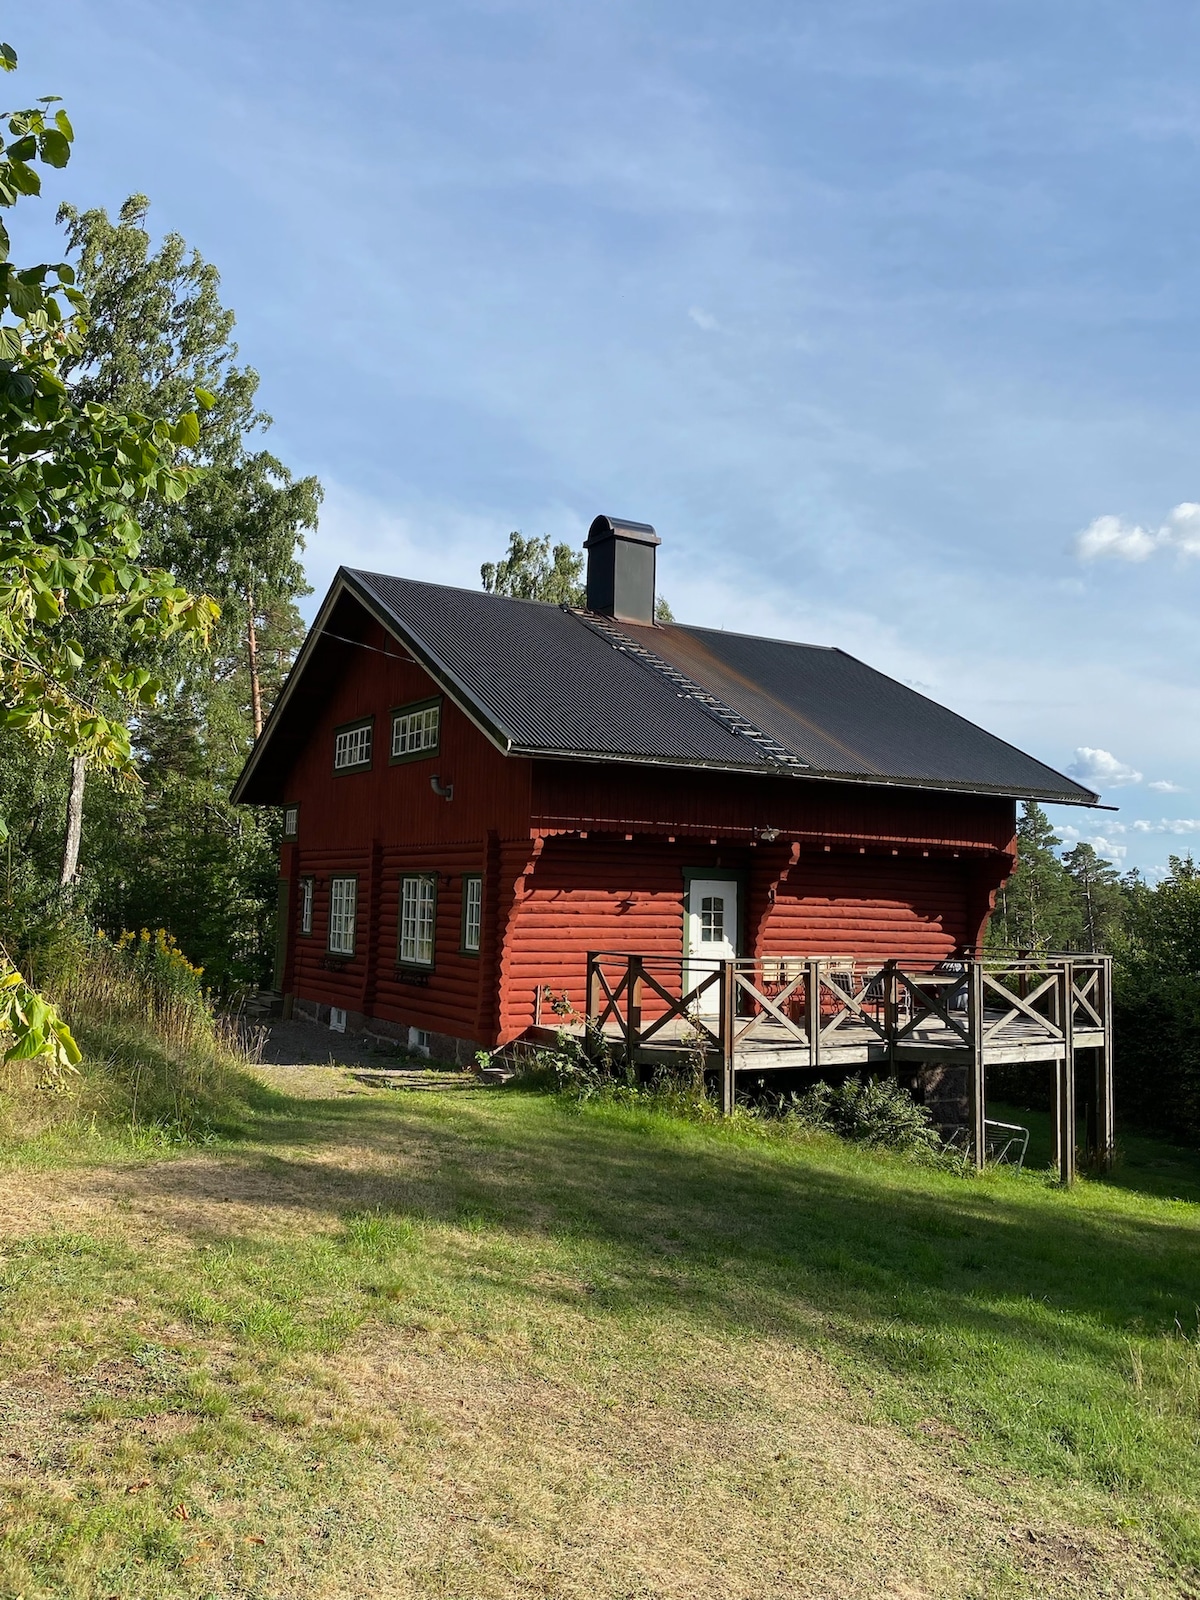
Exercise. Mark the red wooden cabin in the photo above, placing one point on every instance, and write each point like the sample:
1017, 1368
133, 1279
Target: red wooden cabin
477, 791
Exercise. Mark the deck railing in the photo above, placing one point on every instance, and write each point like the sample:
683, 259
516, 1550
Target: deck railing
809, 1009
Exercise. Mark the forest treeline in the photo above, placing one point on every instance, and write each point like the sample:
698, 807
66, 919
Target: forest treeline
1076, 900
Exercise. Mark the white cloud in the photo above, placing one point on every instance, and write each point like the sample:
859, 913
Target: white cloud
1100, 769
1113, 537
1175, 825
703, 319
1162, 786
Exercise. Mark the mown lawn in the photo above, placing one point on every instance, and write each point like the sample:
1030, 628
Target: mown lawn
491, 1344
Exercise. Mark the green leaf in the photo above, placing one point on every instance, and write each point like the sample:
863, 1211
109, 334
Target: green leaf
205, 398
54, 148
186, 431
8, 58
63, 124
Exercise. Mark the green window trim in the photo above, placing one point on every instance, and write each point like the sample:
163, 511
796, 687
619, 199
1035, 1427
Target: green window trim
336, 878
472, 914
417, 919
413, 710
346, 730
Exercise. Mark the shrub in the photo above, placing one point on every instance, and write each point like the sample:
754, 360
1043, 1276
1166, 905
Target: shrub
878, 1112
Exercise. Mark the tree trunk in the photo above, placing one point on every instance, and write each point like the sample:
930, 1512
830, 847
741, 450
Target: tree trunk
252, 653
74, 833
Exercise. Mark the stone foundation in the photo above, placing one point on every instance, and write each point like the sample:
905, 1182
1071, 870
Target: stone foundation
943, 1092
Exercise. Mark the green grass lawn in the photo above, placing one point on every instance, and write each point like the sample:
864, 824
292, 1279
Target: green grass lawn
494, 1344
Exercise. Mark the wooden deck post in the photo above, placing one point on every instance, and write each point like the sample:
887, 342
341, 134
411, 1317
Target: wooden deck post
1064, 1099
890, 1012
726, 1030
812, 1013
1105, 1108
593, 986
977, 1083
633, 1010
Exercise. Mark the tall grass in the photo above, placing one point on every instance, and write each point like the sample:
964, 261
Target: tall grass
160, 1066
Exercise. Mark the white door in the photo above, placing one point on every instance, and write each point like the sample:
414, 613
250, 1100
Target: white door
712, 924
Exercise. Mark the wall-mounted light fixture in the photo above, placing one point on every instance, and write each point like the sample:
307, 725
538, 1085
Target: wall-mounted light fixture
444, 791
769, 835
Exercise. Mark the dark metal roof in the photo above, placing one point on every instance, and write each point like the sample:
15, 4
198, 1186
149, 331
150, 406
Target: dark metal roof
542, 680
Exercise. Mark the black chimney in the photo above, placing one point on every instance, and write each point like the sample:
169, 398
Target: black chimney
620, 569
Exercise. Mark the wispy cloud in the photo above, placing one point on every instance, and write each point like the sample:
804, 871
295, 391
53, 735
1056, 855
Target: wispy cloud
1100, 769
703, 319
1175, 825
1163, 786
1112, 538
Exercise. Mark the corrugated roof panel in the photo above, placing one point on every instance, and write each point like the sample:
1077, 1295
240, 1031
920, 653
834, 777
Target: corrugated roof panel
547, 681
847, 719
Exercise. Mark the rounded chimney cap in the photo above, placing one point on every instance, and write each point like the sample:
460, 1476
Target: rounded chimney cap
603, 528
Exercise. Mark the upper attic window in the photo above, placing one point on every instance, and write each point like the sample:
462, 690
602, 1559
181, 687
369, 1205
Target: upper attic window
416, 730
352, 746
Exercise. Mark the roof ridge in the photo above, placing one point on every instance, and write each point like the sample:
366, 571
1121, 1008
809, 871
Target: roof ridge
687, 688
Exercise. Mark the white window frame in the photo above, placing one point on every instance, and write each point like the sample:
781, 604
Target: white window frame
342, 921
418, 919
291, 821
416, 731
337, 1019
306, 905
352, 747
472, 914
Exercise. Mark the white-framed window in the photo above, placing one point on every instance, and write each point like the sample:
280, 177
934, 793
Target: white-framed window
306, 905
416, 730
352, 747
291, 821
420, 1039
337, 1019
472, 913
418, 916
343, 904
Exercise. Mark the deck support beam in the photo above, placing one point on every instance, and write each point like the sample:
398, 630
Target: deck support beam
728, 1020
976, 1070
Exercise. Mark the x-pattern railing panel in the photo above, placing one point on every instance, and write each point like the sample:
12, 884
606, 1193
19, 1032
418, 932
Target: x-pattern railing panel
852, 1004
925, 1004
683, 1007
772, 1007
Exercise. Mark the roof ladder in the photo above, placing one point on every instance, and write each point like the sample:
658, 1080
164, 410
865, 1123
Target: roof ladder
687, 689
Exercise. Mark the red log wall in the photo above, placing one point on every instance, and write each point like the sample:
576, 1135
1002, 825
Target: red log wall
875, 872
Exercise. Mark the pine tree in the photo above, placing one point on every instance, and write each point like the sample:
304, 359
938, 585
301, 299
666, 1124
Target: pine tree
1037, 909
1098, 893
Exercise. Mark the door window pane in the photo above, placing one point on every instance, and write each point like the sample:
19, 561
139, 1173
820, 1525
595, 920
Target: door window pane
712, 919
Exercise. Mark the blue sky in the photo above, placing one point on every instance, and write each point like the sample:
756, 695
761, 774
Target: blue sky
885, 314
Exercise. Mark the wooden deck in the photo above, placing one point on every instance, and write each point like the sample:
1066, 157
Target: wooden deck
773, 1046
828, 1013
